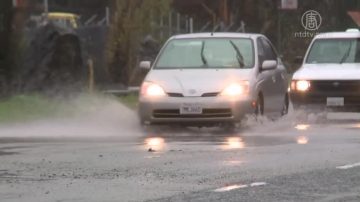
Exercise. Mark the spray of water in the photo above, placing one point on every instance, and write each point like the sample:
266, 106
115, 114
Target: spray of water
293, 118
91, 116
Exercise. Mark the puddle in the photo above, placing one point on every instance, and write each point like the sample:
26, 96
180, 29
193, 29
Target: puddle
224, 142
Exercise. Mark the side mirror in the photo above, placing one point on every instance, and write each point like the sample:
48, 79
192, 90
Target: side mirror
298, 59
269, 65
145, 65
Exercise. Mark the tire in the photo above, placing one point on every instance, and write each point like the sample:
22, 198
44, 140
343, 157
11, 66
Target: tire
259, 110
285, 107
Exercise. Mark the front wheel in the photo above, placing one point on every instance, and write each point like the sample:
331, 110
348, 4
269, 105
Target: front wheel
259, 109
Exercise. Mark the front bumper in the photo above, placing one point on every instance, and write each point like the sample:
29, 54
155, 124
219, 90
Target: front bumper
318, 100
166, 110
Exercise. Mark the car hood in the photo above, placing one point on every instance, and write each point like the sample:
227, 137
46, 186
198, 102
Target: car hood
196, 82
328, 72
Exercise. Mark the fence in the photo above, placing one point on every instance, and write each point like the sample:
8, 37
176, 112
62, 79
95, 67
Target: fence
175, 23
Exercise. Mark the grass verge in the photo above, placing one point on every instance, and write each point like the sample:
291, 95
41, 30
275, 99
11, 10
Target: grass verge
130, 100
26, 108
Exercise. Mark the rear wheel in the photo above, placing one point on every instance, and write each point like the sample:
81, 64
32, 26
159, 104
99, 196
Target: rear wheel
285, 108
259, 109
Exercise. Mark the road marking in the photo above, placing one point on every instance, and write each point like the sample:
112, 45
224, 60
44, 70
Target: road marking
257, 184
239, 186
231, 187
348, 166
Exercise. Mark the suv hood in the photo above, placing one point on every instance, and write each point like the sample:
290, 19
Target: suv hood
195, 82
328, 72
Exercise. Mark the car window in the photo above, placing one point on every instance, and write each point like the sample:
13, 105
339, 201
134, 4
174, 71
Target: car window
268, 49
207, 53
339, 50
261, 51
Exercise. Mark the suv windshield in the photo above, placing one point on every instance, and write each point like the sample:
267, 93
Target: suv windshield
335, 51
207, 53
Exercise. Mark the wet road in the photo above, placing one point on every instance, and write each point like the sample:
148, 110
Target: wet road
283, 160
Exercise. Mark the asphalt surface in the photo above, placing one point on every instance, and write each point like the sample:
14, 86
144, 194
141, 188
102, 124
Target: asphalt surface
92, 159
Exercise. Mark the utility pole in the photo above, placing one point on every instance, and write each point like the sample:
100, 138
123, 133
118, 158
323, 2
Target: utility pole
191, 25
46, 6
170, 23
224, 11
107, 15
178, 23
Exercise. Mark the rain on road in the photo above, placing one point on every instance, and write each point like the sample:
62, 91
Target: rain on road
105, 156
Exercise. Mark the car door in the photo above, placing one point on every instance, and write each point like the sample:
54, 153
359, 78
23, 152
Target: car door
279, 76
267, 78
264, 81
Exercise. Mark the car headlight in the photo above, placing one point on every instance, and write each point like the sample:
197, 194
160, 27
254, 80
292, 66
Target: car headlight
301, 85
152, 90
236, 89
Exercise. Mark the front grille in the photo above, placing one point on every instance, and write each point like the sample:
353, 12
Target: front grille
207, 113
352, 101
175, 95
321, 98
333, 87
209, 94
213, 94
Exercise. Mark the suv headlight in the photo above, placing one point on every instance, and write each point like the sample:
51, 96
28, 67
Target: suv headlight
152, 90
236, 89
300, 85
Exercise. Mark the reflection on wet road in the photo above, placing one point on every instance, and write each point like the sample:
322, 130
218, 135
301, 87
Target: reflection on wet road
233, 143
302, 127
225, 141
299, 133
302, 140
155, 144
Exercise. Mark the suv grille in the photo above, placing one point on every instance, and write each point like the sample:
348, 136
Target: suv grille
335, 86
214, 94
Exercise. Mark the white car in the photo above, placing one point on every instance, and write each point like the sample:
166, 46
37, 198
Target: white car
213, 78
330, 74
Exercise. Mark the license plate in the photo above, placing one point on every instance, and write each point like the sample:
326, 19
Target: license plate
190, 108
335, 101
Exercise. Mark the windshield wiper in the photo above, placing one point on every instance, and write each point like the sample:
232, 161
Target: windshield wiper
202, 54
239, 57
347, 53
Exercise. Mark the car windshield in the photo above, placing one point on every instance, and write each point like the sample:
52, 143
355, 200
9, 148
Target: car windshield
207, 53
335, 51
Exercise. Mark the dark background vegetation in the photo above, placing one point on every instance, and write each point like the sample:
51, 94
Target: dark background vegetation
139, 27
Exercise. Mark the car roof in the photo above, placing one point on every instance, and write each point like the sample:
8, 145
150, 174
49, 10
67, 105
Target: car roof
330, 35
216, 35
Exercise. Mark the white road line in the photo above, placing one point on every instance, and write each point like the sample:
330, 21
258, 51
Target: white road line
239, 186
229, 188
348, 166
257, 184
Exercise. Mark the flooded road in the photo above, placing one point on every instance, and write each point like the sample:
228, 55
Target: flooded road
98, 158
